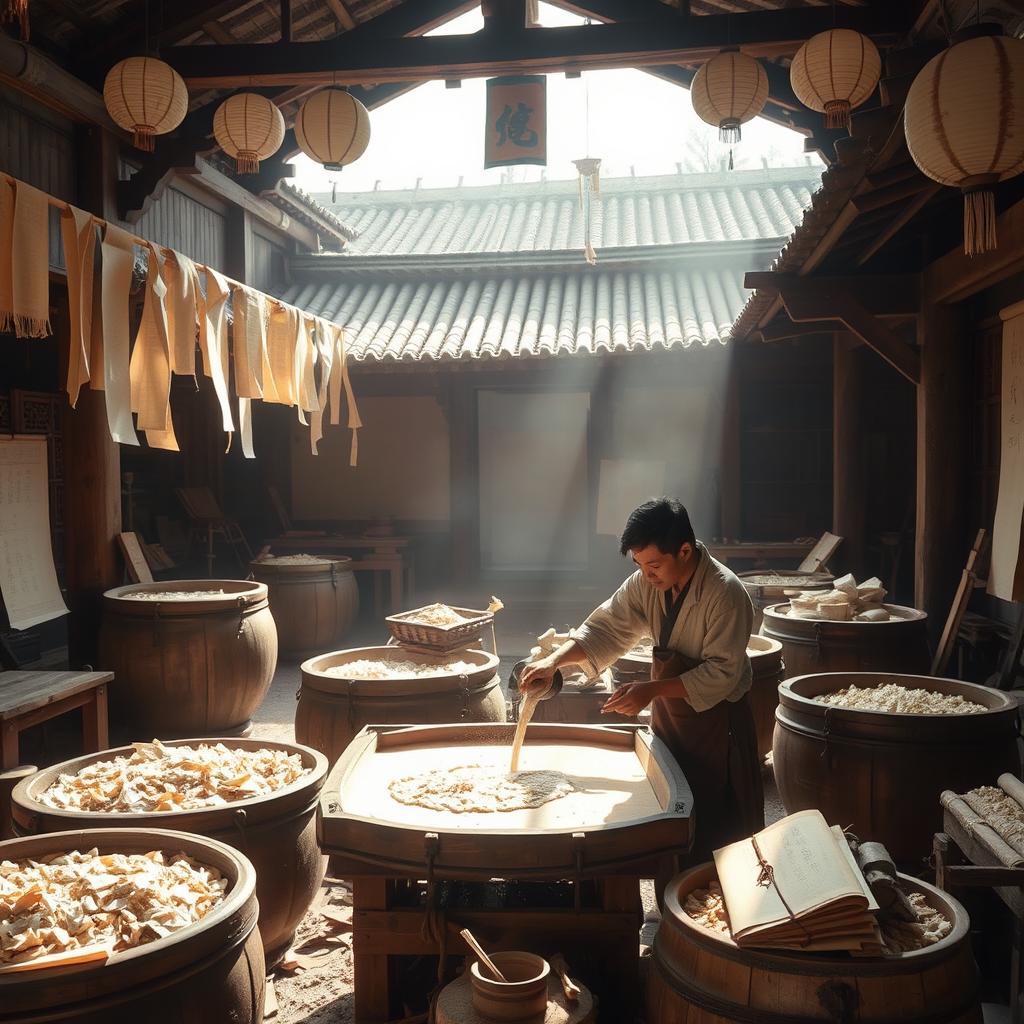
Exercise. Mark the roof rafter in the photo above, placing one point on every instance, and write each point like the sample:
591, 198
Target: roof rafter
645, 43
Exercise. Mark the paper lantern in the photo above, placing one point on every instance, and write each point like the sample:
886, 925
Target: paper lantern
963, 126
146, 97
250, 128
835, 71
728, 91
333, 128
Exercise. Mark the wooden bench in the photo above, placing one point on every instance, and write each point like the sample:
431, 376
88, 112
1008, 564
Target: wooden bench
28, 698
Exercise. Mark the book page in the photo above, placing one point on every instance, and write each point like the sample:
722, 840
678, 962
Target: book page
809, 870
28, 579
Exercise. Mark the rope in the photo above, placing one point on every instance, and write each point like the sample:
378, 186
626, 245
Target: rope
766, 878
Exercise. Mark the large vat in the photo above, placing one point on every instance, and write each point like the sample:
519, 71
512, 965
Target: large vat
276, 832
314, 603
199, 666
881, 774
819, 645
700, 977
332, 709
210, 973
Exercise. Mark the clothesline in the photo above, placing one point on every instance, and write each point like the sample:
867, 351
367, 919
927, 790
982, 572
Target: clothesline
275, 345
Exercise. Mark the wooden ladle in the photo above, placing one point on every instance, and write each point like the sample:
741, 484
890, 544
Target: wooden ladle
470, 941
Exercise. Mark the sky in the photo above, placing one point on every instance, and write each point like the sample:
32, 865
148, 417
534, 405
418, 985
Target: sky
637, 124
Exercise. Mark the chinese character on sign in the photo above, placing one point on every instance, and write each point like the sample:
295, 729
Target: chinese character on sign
516, 121
515, 127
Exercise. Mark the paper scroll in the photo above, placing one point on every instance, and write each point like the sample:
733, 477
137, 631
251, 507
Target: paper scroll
28, 579
1006, 577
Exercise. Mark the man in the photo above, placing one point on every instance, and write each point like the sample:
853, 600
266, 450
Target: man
700, 618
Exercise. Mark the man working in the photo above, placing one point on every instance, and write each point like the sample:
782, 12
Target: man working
700, 618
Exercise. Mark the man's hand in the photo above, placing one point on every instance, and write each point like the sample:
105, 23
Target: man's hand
537, 677
630, 699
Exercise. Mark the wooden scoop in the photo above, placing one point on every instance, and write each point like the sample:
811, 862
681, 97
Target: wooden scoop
569, 987
470, 941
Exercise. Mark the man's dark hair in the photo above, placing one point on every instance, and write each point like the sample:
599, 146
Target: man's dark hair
664, 522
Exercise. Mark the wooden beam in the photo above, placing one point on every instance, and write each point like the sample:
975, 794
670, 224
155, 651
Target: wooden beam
218, 33
783, 331
889, 195
896, 223
943, 435
341, 14
629, 44
955, 277
809, 302
895, 295
849, 463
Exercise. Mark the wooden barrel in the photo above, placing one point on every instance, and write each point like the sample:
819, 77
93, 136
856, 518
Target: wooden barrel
768, 670
879, 773
818, 645
698, 976
199, 666
765, 587
332, 708
276, 832
314, 603
209, 973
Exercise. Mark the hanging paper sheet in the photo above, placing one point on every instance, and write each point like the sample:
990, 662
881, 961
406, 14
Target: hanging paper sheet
28, 579
516, 121
1006, 577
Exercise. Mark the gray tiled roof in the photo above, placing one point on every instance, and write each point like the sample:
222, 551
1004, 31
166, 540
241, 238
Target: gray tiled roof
665, 210
498, 272
571, 313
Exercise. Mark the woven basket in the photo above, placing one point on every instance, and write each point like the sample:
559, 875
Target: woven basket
442, 639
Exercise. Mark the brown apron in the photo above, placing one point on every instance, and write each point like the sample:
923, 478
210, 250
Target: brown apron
717, 751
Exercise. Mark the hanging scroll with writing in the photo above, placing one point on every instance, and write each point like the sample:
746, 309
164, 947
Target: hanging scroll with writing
28, 579
1006, 577
517, 126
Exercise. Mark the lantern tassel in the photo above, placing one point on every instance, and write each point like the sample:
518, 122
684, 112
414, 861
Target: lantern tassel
837, 114
729, 132
17, 10
979, 221
247, 162
144, 138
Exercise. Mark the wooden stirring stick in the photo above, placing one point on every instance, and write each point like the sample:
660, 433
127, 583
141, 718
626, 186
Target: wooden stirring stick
569, 987
467, 935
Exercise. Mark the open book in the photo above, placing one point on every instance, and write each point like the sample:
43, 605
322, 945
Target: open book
796, 885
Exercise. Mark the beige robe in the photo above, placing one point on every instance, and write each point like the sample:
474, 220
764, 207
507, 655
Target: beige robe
712, 630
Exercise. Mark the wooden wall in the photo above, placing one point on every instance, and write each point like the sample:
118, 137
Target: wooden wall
183, 223
268, 263
38, 147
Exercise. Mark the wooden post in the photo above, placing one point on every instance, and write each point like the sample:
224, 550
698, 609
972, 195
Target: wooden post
730, 489
465, 489
941, 536
92, 460
848, 456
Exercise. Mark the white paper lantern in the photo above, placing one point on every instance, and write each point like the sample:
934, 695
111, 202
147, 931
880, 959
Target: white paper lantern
250, 128
146, 97
728, 91
333, 128
835, 71
963, 126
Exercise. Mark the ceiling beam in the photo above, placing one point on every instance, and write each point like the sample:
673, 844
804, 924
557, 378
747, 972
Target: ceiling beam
884, 295
805, 302
342, 15
896, 223
344, 60
955, 277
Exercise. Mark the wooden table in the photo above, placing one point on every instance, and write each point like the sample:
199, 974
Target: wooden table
387, 554
962, 859
760, 552
28, 698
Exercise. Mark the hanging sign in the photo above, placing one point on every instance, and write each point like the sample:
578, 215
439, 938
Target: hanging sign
516, 121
